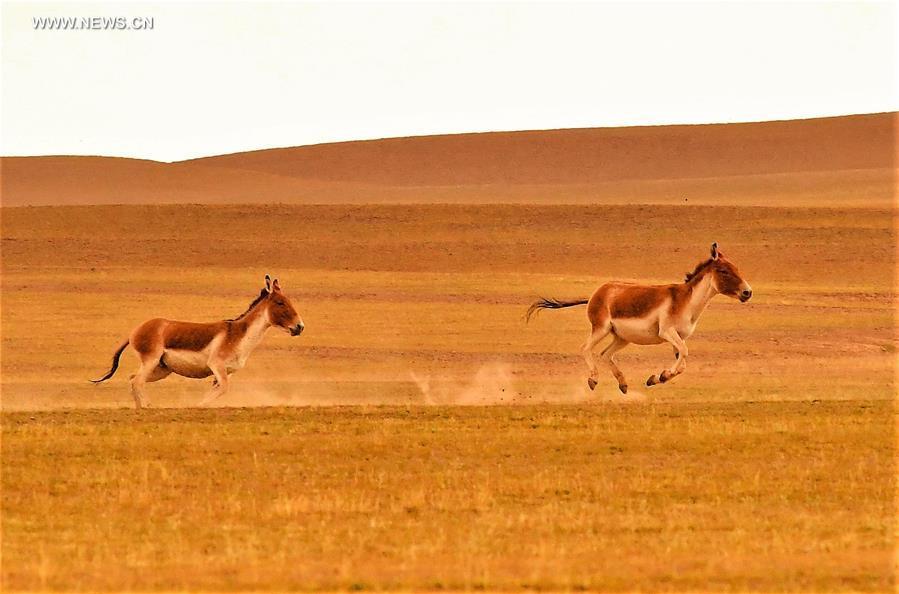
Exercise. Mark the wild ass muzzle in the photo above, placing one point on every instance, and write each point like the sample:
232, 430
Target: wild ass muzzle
652, 314
198, 350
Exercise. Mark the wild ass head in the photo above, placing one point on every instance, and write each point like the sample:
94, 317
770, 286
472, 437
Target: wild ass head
726, 278
281, 312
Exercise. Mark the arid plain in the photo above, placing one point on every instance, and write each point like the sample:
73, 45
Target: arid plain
419, 435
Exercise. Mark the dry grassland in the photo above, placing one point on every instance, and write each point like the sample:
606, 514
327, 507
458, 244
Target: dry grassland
667, 496
768, 465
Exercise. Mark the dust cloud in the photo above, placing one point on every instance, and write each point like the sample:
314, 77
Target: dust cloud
493, 383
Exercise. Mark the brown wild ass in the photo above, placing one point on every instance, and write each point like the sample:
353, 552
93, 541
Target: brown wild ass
652, 314
199, 350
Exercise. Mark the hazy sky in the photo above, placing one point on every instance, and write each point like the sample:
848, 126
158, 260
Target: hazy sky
216, 78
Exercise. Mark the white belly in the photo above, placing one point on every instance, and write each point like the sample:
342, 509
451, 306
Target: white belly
637, 330
187, 363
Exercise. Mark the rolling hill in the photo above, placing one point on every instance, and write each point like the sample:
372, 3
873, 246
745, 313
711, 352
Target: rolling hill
846, 161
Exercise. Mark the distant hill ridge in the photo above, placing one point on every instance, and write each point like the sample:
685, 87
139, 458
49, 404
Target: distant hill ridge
849, 158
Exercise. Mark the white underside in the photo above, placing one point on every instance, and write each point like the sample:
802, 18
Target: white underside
652, 328
196, 363
638, 330
187, 363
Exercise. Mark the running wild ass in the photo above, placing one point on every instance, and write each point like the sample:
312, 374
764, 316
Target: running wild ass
652, 314
198, 350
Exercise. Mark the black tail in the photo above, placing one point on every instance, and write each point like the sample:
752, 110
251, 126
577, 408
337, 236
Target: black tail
551, 304
115, 363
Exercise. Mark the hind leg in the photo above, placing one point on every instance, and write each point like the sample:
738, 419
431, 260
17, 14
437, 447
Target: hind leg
137, 385
150, 371
596, 335
157, 373
608, 357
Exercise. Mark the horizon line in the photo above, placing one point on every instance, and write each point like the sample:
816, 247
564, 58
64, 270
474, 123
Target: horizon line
449, 134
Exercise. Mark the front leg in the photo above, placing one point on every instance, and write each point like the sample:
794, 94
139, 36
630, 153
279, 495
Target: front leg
680, 358
219, 384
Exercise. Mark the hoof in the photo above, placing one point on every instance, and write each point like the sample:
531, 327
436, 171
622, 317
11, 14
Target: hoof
664, 377
651, 381
592, 383
623, 388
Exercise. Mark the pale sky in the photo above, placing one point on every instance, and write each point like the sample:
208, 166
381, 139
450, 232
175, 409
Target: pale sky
214, 78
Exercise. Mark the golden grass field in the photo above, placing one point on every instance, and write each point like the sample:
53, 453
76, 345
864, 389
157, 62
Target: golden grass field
770, 496
768, 465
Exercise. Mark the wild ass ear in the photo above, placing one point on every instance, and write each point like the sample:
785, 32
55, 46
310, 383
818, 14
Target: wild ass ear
276, 285
715, 252
268, 284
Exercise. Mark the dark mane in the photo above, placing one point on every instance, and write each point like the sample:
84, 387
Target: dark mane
697, 272
255, 302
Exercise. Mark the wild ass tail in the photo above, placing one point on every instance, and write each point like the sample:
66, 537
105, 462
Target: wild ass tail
115, 363
551, 304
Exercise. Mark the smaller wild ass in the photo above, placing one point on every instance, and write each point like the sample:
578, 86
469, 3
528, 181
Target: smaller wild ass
198, 350
652, 314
